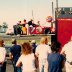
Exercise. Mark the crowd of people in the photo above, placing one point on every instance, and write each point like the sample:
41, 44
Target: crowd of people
42, 57
25, 27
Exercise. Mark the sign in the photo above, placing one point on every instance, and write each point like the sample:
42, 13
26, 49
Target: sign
49, 19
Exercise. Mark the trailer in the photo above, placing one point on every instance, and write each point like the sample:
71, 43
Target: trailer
64, 25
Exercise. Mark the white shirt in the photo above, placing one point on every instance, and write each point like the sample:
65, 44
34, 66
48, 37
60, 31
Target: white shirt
42, 50
68, 51
2, 54
27, 26
28, 62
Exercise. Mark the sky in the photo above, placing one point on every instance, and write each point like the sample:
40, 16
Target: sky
11, 11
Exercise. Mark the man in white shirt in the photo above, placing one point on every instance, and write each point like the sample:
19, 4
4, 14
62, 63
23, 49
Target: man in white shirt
67, 50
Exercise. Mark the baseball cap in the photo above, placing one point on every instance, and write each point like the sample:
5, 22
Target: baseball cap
33, 41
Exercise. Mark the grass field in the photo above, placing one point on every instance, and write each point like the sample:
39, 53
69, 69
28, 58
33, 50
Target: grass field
20, 40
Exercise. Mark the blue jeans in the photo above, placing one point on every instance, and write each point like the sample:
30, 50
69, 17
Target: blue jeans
42, 68
0, 68
42, 65
16, 69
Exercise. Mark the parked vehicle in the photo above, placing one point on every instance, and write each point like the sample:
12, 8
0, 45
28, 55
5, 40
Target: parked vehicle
10, 31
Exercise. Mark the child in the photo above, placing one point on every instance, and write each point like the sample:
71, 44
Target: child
27, 59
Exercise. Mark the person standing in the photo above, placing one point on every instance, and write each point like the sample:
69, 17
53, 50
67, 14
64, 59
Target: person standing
27, 59
24, 30
15, 52
33, 44
38, 23
15, 29
67, 52
19, 27
55, 60
27, 28
30, 22
2, 57
31, 27
42, 51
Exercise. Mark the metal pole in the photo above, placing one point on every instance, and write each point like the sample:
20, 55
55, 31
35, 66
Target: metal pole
57, 4
52, 11
32, 15
56, 8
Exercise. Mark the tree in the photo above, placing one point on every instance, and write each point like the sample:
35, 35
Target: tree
5, 26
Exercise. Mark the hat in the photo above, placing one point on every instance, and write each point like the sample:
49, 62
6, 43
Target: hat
33, 41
